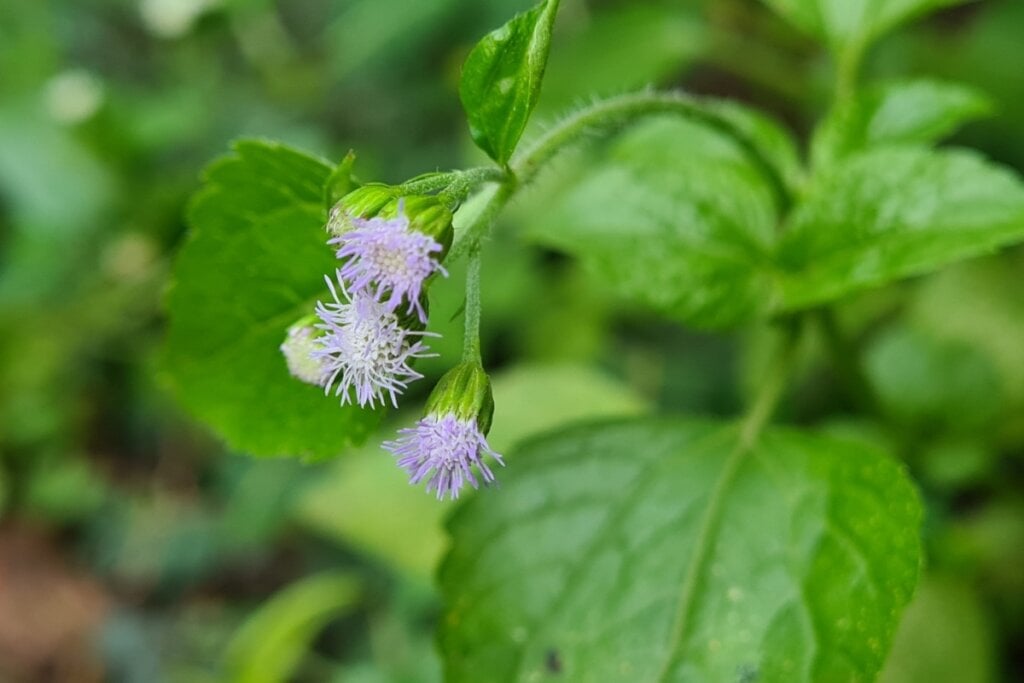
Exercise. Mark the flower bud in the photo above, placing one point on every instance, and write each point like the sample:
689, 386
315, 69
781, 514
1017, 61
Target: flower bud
364, 202
298, 349
427, 215
465, 392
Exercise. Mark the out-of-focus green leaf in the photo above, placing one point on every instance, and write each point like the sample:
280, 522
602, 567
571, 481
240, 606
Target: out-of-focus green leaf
533, 399
927, 381
501, 79
64, 489
944, 637
621, 48
365, 501
274, 640
895, 212
675, 217
981, 305
919, 111
675, 550
850, 25
255, 264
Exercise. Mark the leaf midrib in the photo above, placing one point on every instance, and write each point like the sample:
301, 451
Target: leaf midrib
704, 545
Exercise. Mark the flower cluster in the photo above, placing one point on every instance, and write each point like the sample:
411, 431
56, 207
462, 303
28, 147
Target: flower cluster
362, 343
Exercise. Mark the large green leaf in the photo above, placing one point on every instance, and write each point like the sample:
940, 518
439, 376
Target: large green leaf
894, 212
253, 264
673, 216
852, 24
919, 111
501, 79
272, 643
676, 550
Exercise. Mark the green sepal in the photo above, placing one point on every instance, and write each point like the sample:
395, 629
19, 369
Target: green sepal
363, 202
341, 181
464, 391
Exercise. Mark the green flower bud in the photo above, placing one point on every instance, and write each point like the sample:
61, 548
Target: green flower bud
298, 350
465, 392
427, 215
364, 202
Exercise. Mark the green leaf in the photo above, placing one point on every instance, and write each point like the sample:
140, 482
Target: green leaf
891, 213
942, 385
676, 217
919, 111
536, 398
253, 264
850, 25
346, 501
272, 643
501, 79
668, 550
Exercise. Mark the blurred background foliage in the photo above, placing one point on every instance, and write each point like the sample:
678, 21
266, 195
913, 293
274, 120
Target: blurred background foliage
134, 548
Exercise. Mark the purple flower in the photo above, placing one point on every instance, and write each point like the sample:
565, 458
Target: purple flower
364, 348
390, 260
445, 448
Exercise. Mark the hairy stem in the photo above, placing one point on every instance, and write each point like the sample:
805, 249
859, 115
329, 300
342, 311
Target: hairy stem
613, 113
471, 340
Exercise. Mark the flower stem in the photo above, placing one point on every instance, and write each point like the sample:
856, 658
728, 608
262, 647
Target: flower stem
615, 112
471, 340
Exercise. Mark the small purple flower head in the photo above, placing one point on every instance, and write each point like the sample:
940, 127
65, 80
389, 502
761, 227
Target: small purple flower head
391, 258
365, 348
298, 349
445, 446
443, 449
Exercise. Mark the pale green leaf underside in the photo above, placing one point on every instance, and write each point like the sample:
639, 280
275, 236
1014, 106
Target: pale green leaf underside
501, 79
254, 263
632, 552
919, 111
895, 212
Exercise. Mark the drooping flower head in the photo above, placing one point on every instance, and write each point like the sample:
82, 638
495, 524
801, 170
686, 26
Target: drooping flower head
298, 349
365, 348
393, 254
449, 443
